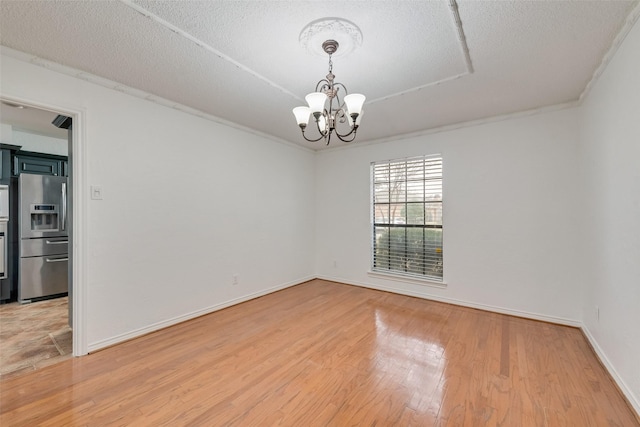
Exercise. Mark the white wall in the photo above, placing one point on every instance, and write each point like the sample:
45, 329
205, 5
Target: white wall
40, 143
187, 203
6, 133
509, 205
610, 160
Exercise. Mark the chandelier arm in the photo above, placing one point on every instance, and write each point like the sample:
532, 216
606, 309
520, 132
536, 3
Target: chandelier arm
331, 112
339, 104
312, 140
323, 133
346, 92
341, 115
339, 101
323, 85
343, 137
327, 123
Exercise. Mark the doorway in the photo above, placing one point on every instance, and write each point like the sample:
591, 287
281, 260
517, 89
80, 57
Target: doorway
20, 118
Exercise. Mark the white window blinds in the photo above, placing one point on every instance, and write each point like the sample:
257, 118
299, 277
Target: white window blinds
407, 216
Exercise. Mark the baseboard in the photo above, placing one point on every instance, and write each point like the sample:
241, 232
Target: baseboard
98, 345
492, 308
633, 400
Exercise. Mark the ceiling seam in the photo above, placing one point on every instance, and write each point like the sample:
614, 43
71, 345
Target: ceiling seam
144, 12
455, 14
417, 88
464, 48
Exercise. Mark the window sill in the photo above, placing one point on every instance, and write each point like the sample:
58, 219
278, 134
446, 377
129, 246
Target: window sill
408, 279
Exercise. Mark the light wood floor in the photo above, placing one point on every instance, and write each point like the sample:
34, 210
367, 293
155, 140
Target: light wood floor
327, 354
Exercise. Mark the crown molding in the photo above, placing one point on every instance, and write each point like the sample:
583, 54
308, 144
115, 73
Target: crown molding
137, 93
615, 45
460, 125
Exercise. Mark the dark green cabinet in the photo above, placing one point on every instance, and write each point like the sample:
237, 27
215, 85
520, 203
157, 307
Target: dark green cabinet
6, 156
40, 164
5, 166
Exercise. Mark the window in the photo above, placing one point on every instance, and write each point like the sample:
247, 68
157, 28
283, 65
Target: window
407, 216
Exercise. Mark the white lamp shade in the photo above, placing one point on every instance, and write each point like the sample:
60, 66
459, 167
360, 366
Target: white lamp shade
302, 115
354, 103
316, 101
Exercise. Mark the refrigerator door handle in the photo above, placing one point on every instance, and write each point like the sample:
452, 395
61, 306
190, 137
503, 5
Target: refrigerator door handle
3, 253
56, 259
64, 206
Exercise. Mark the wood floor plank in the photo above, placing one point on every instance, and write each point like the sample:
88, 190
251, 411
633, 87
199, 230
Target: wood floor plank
328, 354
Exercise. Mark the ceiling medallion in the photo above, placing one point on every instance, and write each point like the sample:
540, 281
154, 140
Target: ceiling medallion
346, 33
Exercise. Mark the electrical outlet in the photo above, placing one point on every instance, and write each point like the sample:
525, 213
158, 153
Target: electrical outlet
335, 263
234, 279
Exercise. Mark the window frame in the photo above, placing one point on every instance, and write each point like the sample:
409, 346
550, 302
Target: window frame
403, 274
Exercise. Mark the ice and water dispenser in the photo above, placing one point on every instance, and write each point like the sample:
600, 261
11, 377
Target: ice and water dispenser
44, 217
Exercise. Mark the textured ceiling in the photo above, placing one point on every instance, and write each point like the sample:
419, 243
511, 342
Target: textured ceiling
422, 64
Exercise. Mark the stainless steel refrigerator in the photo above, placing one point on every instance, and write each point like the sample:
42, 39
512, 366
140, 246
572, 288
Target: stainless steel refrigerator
44, 242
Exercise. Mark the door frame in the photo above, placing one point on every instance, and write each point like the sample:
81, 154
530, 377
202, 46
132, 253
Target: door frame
78, 175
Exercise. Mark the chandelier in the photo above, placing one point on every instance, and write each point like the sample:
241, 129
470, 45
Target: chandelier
328, 110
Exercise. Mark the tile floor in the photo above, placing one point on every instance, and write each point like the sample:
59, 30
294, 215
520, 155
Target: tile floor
33, 336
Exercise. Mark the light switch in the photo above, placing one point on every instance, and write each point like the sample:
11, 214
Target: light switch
96, 192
